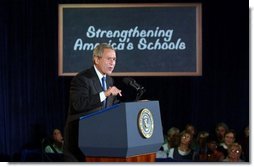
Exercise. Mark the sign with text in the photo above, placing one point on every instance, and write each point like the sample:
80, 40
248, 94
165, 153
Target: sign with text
150, 39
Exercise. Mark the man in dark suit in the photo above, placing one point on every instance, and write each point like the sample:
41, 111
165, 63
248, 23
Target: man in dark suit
87, 95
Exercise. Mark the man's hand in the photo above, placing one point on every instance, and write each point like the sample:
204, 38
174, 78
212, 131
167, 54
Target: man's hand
113, 91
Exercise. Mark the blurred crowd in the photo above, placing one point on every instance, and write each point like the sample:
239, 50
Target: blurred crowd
190, 145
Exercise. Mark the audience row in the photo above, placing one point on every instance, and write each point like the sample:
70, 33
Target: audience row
203, 146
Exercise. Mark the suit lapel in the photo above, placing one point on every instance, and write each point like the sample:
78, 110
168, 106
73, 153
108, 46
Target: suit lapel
97, 84
96, 81
98, 87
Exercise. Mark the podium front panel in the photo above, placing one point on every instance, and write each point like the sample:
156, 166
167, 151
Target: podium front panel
137, 143
115, 131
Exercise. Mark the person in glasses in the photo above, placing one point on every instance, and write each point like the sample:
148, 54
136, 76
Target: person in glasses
234, 153
183, 152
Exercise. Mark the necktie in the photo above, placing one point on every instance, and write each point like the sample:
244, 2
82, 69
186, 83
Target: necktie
104, 86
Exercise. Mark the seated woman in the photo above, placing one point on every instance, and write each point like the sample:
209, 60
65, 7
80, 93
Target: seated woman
234, 153
200, 154
184, 151
229, 138
213, 153
57, 143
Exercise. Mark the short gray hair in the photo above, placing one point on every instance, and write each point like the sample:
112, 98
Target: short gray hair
173, 131
98, 50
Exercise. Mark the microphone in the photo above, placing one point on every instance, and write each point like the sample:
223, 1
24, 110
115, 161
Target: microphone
132, 83
140, 89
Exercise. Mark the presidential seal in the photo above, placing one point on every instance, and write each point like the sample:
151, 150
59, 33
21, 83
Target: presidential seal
145, 123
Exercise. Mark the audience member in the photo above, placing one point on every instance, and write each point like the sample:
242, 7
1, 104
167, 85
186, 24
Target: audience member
244, 141
213, 154
200, 154
57, 143
191, 128
206, 147
234, 153
183, 152
172, 140
220, 130
229, 139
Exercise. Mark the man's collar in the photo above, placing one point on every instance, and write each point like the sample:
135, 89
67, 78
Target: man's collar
98, 73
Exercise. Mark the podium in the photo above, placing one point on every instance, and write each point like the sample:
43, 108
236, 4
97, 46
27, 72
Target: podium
125, 132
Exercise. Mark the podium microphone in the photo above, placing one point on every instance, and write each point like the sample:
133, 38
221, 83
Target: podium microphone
132, 83
140, 89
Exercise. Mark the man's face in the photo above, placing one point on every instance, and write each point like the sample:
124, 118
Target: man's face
221, 131
106, 63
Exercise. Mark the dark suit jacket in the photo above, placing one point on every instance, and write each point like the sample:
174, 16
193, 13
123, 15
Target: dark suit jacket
84, 98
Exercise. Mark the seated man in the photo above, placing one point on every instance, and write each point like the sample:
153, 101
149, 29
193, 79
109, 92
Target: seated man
172, 141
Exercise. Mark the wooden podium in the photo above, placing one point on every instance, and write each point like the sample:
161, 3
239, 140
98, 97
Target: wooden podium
126, 132
138, 158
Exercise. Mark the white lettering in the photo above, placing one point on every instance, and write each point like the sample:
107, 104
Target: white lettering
158, 45
78, 44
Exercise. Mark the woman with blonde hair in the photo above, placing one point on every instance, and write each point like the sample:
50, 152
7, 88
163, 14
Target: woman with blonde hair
234, 153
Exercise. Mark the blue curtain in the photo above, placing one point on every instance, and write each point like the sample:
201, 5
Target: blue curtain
33, 98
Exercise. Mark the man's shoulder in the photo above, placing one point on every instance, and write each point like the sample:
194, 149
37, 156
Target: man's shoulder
84, 76
88, 73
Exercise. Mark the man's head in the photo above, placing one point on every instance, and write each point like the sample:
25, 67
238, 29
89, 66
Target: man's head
173, 136
221, 129
104, 57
